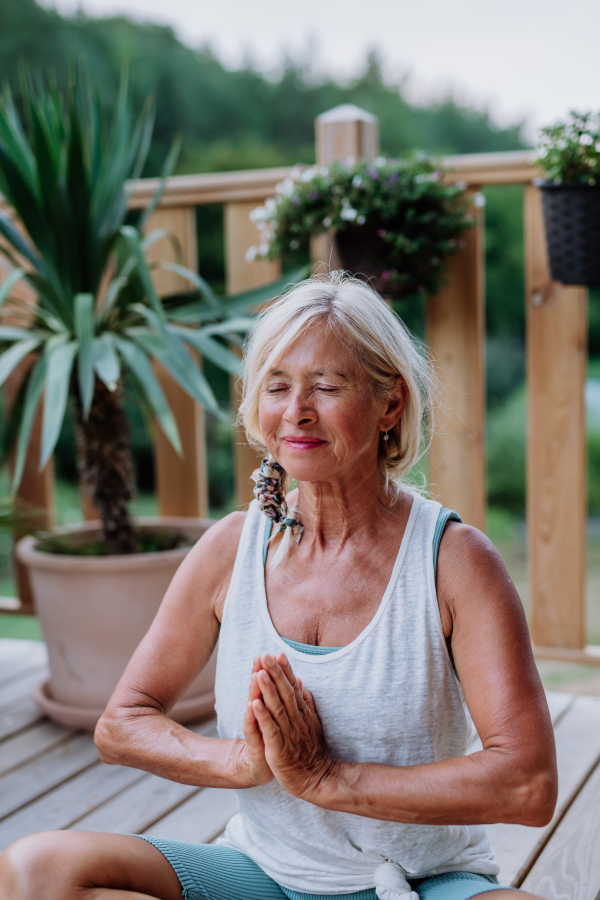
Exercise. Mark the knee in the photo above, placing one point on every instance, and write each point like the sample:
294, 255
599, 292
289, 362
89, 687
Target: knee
31, 868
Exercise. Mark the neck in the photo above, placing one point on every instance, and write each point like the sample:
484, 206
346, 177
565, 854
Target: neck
334, 512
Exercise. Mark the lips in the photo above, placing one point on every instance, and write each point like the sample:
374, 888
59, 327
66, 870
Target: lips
302, 441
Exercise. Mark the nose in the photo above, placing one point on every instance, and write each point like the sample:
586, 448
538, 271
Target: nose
299, 410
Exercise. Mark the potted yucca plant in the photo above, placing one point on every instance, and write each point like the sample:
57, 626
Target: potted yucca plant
569, 155
64, 174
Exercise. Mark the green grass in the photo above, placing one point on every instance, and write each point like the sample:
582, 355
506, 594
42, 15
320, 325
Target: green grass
22, 627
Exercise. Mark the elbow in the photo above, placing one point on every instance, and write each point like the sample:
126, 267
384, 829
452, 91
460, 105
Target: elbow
109, 738
535, 800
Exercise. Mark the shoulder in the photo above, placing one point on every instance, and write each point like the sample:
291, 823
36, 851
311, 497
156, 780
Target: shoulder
471, 573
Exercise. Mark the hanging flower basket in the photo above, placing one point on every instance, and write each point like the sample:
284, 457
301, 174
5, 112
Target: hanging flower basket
572, 219
569, 154
395, 221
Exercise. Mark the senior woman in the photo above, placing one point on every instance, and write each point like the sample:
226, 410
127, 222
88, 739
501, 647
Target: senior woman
346, 646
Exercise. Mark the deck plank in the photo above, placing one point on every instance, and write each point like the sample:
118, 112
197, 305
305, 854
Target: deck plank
569, 866
577, 736
21, 687
137, 807
148, 800
34, 656
69, 802
21, 748
20, 786
200, 819
18, 715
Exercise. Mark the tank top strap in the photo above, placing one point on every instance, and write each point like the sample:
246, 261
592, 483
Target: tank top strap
444, 516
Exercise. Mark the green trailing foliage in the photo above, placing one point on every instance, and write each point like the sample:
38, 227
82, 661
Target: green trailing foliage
412, 219
569, 152
64, 170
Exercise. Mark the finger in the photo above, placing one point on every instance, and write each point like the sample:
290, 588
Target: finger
254, 689
286, 690
273, 701
252, 732
291, 677
268, 727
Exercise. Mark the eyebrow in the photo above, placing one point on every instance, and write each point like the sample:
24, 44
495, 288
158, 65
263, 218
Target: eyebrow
319, 372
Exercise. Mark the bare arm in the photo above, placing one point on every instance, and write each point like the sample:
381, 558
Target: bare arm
513, 779
135, 729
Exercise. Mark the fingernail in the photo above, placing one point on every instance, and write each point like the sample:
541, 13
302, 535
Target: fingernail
258, 704
265, 676
268, 660
284, 661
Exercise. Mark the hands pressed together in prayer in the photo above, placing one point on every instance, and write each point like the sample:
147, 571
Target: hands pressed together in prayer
283, 732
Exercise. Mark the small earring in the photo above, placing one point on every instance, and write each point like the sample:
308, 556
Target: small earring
386, 436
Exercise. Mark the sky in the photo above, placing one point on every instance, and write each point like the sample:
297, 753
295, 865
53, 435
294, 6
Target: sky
531, 60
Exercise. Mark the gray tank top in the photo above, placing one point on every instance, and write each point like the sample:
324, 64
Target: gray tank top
390, 697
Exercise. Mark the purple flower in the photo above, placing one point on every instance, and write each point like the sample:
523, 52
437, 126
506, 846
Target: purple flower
295, 201
385, 276
314, 195
373, 173
382, 232
392, 179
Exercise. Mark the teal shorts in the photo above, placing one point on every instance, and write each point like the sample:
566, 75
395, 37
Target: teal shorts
214, 872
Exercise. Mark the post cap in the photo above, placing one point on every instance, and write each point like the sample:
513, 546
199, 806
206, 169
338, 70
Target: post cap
347, 112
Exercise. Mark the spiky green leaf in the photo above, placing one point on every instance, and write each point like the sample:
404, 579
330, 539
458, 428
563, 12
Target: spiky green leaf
212, 349
84, 331
33, 392
7, 286
59, 363
149, 385
106, 361
11, 358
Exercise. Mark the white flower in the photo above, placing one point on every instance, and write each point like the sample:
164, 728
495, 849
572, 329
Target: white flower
270, 205
259, 214
348, 214
461, 185
327, 222
285, 187
357, 181
586, 139
380, 161
308, 174
263, 248
296, 173
251, 254
361, 220
479, 200
324, 171
294, 245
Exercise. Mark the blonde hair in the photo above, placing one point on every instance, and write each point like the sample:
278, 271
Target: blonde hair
383, 346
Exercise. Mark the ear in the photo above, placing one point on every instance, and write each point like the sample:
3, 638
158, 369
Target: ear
396, 405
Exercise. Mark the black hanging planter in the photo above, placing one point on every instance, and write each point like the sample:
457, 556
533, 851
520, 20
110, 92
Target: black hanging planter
572, 219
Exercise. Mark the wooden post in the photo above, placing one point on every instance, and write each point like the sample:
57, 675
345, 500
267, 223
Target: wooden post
455, 327
556, 444
241, 275
181, 482
37, 487
345, 132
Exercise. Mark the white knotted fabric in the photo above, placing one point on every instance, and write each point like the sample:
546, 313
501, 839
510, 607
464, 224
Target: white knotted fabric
391, 884
388, 697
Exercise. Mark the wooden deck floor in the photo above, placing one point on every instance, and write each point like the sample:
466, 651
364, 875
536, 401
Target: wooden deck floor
51, 777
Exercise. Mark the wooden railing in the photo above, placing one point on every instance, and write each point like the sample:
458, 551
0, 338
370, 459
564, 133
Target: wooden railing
455, 334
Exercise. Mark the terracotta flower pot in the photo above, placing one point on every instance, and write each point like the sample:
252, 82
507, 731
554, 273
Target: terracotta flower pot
93, 612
